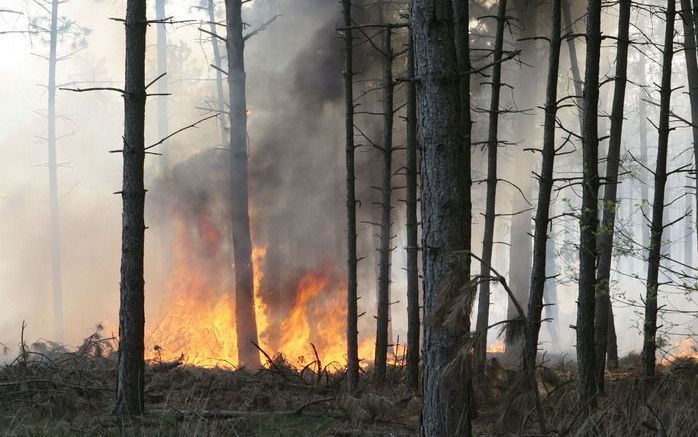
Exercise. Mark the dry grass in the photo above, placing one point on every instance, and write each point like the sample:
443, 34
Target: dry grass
48, 391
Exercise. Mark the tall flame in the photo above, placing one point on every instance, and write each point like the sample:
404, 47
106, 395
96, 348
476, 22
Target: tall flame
198, 317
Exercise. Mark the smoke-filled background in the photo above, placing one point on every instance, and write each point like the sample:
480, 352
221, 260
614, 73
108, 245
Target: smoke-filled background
296, 148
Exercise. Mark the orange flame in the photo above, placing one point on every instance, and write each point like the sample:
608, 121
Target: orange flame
199, 313
496, 347
686, 348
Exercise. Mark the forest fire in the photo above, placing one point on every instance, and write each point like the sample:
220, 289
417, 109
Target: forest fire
198, 315
496, 347
687, 348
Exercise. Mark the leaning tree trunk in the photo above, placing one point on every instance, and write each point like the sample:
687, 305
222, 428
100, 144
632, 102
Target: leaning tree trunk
383, 316
649, 346
56, 280
352, 316
131, 371
589, 221
218, 62
483, 310
163, 128
412, 373
692, 73
445, 408
542, 219
245, 317
610, 199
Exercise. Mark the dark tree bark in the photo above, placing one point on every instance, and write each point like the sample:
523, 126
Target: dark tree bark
649, 346
521, 230
163, 119
542, 219
589, 221
56, 277
218, 62
383, 315
352, 316
551, 310
245, 317
412, 374
610, 199
445, 409
692, 76
130, 373
483, 310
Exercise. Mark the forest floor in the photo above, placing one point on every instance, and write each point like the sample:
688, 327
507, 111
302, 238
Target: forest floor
47, 391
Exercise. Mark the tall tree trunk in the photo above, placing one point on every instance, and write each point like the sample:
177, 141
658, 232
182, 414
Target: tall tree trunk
56, 280
412, 376
610, 199
589, 221
649, 346
483, 310
445, 408
689, 228
520, 240
689, 49
352, 313
163, 120
383, 316
130, 373
542, 219
245, 317
218, 62
644, 188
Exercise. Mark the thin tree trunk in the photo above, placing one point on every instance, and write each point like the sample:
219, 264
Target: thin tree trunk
690, 228
163, 120
383, 319
551, 310
488, 238
542, 219
589, 221
245, 317
611, 341
412, 375
692, 73
130, 373
649, 346
574, 64
56, 279
445, 408
644, 189
218, 62
352, 316
610, 199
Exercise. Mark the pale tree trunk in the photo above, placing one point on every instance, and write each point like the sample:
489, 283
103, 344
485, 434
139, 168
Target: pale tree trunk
383, 315
483, 310
692, 76
412, 374
589, 221
56, 280
352, 316
542, 219
574, 63
445, 407
649, 346
610, 199
163, 121
689, 228
218, 62
130, 373
644, 189
245, 317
